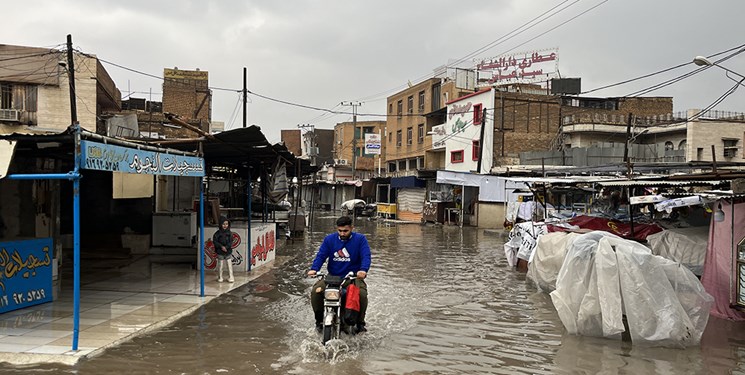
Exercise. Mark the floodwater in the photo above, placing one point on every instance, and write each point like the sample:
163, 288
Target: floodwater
442, 301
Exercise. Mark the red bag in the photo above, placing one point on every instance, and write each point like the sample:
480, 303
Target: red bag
353, 298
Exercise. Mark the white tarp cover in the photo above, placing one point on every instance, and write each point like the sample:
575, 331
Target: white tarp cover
522, 240
6, 155
682, 245
459, 178
548, 257
605, 277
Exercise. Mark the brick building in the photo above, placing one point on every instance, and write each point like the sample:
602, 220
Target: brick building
349, 145
186, 93
411, 115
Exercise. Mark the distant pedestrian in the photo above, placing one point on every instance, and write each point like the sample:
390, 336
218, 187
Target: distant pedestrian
223, 241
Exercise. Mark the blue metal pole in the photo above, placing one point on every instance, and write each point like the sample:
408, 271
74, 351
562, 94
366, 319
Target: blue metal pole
76, 241
250, 196
51, 176
201, 237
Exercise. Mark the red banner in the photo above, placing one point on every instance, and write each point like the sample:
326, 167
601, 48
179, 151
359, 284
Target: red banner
641, 231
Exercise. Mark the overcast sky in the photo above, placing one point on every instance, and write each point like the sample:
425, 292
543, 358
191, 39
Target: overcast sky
320, 53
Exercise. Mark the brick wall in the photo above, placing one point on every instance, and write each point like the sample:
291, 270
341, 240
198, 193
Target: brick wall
291, 138
183, 93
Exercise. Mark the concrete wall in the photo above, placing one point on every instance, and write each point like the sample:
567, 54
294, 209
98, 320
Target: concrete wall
703, 134
491, 215
54, 101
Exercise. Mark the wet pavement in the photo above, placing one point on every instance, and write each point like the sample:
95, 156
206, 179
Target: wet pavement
442, 301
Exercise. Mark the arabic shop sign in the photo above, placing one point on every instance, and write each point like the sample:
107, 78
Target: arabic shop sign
105, 157
519, 67
372, 144
25, 273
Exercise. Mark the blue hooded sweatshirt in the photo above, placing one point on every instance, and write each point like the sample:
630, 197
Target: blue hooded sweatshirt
347, 256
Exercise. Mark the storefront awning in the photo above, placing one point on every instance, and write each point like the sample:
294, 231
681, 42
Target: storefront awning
6, 155
406, 182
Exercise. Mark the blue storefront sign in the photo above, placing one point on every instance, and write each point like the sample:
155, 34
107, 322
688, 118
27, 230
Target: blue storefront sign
106, 157
25, 273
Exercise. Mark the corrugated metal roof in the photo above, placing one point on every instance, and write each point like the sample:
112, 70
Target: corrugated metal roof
658, 183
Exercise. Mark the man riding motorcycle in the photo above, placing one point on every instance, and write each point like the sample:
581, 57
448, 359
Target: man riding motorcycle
346, 251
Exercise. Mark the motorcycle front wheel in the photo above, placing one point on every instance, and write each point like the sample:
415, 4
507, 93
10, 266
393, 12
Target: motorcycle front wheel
327, 333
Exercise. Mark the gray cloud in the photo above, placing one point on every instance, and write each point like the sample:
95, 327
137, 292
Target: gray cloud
320, 53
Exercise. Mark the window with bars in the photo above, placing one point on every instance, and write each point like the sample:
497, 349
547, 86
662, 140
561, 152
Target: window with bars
420, 134
398, 138
421, 101
410, 104
409, 135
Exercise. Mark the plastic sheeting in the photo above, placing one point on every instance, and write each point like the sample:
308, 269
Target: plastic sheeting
548, 257
605, 277
718, 278
682, 245
522, 240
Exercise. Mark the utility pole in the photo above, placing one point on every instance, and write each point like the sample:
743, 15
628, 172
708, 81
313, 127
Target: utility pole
245, 96
71, 79
309, 141
354, 106
627, 145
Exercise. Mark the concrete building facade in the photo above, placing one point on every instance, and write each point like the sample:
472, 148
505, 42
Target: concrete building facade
34, 90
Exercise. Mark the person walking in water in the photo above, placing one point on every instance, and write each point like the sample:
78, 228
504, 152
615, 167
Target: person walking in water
223, 241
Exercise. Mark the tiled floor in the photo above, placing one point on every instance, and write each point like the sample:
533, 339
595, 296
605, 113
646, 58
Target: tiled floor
114, 306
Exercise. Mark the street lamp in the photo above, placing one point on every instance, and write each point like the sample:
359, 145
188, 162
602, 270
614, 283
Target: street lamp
703, 61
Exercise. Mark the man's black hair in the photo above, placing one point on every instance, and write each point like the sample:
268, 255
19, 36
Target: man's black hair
343, 221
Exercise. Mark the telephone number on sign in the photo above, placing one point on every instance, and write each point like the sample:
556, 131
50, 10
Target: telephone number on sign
30, 296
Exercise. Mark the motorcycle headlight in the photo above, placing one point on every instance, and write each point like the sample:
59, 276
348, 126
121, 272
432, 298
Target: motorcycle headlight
331, 294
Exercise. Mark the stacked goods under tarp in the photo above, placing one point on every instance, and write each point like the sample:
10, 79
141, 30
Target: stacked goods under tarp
686, 246
604, 278
548, 258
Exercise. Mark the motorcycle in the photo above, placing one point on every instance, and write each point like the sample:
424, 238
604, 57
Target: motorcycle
333, 304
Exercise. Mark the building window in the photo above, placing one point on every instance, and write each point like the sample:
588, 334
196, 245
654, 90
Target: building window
730, 147
412, 164
368, 129
682, 145
435, 97
398, 138
6, 96
400, 108
392, 167
477, 112
409, 135
700, 153
420, 133
402, 165
476, 150
669, 146
390, 108
410, 103
390, 137
456, 156
420, 162
421, 101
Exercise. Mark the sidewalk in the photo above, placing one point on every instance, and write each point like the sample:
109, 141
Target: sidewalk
115, 306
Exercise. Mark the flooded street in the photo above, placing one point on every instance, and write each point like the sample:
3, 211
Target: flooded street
442, 301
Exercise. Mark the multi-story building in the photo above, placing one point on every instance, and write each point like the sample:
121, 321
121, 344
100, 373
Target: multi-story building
350, 147
411, 115
310, 143
35, 91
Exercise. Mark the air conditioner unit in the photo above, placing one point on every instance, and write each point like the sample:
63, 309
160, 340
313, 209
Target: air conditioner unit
340, 161
10, 115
